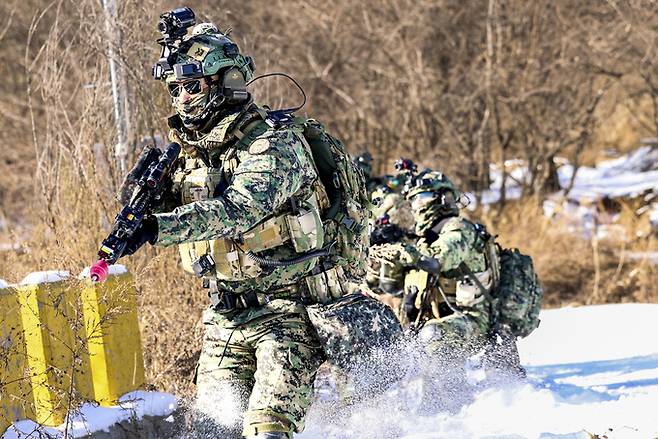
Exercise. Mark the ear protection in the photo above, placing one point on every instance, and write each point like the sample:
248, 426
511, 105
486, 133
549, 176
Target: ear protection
233, 86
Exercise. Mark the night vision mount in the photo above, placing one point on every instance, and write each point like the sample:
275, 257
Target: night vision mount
173, 26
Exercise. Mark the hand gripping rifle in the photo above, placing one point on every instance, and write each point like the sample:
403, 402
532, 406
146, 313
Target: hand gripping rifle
149, 173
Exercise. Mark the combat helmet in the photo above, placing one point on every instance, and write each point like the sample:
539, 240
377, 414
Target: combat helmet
433, 197
364, 162
207, 59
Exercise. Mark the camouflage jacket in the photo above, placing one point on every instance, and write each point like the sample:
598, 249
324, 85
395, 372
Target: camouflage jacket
458, 241
249, 177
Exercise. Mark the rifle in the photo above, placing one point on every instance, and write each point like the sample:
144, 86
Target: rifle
150, 174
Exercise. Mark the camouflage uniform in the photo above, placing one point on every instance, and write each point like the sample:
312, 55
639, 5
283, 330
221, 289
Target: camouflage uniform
249, 200
394, 223
450, 308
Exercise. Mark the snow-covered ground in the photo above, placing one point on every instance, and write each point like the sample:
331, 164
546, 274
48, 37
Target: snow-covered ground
91, 418
590, 368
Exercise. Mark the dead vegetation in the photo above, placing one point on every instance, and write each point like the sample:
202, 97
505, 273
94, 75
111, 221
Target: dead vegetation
454, 85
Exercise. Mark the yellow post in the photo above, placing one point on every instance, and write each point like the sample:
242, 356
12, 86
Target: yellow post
112, 331
15, 392
52, 323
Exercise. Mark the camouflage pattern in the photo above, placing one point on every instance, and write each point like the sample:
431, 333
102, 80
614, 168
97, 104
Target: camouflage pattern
214, 51
352, 326
267, 357
270, 167
433, 196
519, 295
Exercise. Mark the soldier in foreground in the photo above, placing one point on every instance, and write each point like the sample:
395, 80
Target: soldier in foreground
276, 235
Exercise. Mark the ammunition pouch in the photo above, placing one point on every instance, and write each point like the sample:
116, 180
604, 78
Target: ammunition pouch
325, 286
468, 293
303, 230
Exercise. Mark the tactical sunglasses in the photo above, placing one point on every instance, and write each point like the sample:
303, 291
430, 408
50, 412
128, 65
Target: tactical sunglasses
191, 87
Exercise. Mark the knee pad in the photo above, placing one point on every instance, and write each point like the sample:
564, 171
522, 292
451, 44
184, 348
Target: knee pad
270, 435
430, 333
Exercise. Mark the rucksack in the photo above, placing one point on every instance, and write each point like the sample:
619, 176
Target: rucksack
345, 186
519, 294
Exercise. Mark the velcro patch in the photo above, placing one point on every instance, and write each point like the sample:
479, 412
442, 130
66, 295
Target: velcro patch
259, 146
198, 51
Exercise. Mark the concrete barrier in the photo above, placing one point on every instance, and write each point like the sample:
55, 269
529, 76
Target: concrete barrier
65, 340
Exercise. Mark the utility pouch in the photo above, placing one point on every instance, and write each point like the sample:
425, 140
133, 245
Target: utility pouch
326, 286
305, 230
468, 293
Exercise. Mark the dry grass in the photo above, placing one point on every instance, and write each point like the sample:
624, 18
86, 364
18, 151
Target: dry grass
575, 270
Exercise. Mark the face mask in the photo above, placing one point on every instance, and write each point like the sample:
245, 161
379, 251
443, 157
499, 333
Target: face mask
189, 99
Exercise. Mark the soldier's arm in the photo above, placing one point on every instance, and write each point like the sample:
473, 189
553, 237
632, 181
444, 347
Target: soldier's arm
454, 245
261, 184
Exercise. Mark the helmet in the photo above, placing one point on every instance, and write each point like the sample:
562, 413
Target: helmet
364, 161
214, 66
207, 52
433, 197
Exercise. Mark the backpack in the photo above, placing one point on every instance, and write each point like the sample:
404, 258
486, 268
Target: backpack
345, 186
517, 292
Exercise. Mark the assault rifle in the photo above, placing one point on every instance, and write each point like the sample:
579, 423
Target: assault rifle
149, 174
385, 232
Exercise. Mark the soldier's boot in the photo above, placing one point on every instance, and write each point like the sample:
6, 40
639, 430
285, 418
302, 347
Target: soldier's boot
266, 425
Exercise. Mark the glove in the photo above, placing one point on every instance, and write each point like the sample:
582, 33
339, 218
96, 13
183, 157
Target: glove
429, 264
146, 232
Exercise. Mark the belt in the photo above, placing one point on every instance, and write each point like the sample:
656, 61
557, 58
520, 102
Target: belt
225, 301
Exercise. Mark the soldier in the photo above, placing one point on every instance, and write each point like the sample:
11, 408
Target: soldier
394, 224
278, 249
451, 272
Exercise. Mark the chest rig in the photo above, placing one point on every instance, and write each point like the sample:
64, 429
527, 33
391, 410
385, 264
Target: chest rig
294, 233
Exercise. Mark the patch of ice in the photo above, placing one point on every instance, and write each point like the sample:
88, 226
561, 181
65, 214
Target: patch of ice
42, 277
91, 418
3, 283
114, 270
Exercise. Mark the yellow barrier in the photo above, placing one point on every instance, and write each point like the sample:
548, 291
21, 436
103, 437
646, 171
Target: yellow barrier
70, 340
52, 322
15, 389
112, 331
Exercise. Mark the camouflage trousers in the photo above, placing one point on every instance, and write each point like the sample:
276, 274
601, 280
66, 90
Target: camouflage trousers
258, 366
461, 332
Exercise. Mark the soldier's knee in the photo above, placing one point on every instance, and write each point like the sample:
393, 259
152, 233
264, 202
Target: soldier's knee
266, 424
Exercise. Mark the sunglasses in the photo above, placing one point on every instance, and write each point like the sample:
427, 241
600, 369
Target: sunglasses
191, 87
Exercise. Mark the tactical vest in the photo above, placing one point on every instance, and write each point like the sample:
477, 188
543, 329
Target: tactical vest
458, 288
298, 227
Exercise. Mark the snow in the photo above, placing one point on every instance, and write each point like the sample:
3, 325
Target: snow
41, 277
114, 270
626, 176
91, 418
3, 283
589, 369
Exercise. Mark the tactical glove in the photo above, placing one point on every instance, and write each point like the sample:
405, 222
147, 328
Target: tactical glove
429, 264
147, 232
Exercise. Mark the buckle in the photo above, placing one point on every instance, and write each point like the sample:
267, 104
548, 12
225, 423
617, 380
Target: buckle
350, 224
